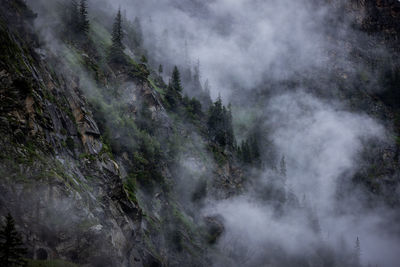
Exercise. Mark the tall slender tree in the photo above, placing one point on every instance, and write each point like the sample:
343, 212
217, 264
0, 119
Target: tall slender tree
138, 40
176, 80
283, 167
84, 23
117, 47
219, 124
357, 253
72, 16
12, 250
174, 90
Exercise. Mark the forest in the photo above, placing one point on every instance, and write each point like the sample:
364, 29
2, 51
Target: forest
199, 133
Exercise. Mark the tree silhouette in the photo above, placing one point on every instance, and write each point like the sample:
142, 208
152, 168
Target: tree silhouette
84, 24
160, 69
11, 246
176, 80
117, 47
138, 37
283, 167
357, 253
174, 90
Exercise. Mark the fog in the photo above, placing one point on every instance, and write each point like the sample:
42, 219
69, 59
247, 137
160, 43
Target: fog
321, 143
242, 44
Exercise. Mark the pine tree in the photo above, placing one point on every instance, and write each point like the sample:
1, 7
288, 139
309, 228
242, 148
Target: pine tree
255, 151
171, 97
174, 90
11, 246
230, 138
206, 97
138, 38
246, 152
84, 24
117, 47
283, 167
176, 80
72, 17
215, 123
196, 78
357, 253
160, 69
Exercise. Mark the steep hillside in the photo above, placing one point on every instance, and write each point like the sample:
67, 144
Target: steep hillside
106, 161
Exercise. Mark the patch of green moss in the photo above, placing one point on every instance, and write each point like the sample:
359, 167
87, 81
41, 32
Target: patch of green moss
87, 156
131, 187
158, 89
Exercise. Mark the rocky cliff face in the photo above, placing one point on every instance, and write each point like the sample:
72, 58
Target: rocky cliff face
67, 191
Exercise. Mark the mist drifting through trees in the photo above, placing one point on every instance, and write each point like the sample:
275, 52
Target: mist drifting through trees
268, 130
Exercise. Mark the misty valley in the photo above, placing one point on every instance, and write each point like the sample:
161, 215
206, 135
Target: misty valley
200, 133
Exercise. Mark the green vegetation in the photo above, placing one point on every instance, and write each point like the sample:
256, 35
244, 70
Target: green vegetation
116, 53
11, 246
131, 187
173, 95
248, 151
220, 129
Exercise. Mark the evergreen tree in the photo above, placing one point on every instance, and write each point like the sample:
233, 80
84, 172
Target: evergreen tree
255, 151
11, 246
117, 47
174, 90
160, 69
245, 152
230, 139
206, 96
138, 36
357, 253
196, 79
72, 17
282, 168
219, 124
176, 80
84, 24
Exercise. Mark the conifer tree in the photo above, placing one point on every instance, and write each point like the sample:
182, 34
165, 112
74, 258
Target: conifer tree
84, 24
138, 36
117, 47
176, 80
357, 253
219, 124
72, 16
246, 152
160, 69
174, 90
206, 96
283, 167
171, 97
196, 78
11, 246
230, 139
255, 151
